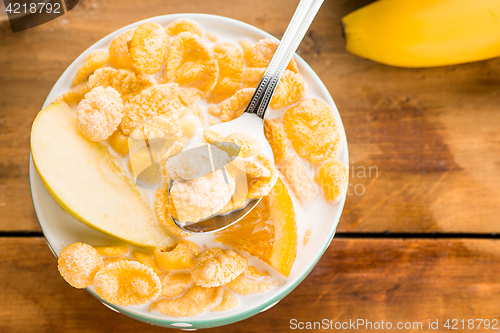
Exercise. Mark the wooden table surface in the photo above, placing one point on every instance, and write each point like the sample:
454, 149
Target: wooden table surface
417, 238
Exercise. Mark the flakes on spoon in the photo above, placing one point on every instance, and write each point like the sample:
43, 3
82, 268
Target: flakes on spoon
199, 198
261, 187
249, 146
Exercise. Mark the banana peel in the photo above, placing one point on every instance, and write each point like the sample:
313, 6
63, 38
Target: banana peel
424, 33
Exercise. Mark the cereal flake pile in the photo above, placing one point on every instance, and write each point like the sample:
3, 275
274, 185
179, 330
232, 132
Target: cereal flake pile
181, 279
146, 89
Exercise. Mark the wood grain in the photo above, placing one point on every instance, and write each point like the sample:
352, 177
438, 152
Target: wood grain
374, 280
431, 134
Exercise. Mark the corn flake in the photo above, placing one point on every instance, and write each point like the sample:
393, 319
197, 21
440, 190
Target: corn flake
147, 259
190, 63
332, 176
212, 137
249, 146
119, 142
176, 284
163, 126
195, 301
233, 107
260, 187
127, 283
230, 62
183, 25
148, 48
261, 53
188, 96
94, 61
313, 130
256, 170
211, 37
252, 77
247, 50
99, 113
252, 281
192, 247
110, 260
119, 50
195, 110
78, 263
177, 256
112, 251
216, 267
215, 111
126, 82
73, 96
151, 102
290, 89
229, 301
190, 124
275, 135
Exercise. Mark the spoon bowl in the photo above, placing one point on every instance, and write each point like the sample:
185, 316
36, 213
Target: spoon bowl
247, 123
252, 120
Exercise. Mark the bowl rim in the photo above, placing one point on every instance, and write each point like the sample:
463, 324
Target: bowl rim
192, 322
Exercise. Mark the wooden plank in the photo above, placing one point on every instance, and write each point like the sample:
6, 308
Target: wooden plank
432, 134
374, 280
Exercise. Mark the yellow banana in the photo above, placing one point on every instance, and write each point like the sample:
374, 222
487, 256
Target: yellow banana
424, 33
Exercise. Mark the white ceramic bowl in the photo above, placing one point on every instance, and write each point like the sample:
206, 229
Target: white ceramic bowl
61, 229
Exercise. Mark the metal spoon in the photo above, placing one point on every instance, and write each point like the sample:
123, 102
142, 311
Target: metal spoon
252, 120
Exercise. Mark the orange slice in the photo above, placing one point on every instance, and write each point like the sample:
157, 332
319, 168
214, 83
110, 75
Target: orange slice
269, 232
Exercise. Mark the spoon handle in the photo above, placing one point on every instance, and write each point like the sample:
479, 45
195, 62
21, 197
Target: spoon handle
301, 20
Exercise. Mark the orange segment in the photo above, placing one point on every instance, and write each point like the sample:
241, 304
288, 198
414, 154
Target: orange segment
269, 232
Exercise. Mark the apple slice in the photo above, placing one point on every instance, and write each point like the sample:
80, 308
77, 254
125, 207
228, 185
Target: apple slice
84, 180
